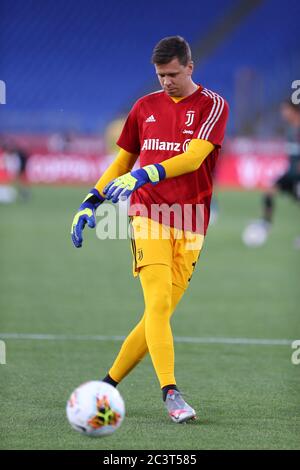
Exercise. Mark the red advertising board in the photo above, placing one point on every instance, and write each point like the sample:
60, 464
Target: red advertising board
250, 164
243, 163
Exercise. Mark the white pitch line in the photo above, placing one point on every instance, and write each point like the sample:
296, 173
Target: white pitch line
177, 339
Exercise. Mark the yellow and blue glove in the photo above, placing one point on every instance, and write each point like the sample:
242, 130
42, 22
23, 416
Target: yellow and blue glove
85, 215
123, 186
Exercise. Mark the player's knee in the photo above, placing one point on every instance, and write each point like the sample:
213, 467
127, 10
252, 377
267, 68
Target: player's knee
161, 301
165, 300
157, 287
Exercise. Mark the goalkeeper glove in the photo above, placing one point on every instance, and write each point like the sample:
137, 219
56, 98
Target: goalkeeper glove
85, 215
123, 186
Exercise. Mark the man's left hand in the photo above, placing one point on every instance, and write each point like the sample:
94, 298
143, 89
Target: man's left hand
123, 186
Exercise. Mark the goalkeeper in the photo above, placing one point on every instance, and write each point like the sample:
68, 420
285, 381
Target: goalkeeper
177, 134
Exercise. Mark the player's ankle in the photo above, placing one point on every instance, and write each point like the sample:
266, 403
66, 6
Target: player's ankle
166, 388
110, 381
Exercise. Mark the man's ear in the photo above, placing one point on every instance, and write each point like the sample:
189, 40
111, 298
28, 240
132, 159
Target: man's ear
190, 66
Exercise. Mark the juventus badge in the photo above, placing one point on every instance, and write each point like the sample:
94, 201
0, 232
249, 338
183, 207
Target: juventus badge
189, 118
140, 254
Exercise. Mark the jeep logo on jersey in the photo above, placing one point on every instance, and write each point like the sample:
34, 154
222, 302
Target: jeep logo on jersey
156, 144
189, 118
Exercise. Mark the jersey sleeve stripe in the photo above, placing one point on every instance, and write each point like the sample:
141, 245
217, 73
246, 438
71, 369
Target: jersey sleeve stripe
210, 117
216, 116
216, 111
209, 123
216, 119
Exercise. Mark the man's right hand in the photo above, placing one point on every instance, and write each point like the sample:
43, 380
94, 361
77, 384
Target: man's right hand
85, 215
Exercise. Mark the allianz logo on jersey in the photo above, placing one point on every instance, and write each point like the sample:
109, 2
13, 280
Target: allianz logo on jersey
156, 144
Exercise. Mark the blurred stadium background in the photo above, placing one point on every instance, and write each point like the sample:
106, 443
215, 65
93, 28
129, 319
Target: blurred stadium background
72, 71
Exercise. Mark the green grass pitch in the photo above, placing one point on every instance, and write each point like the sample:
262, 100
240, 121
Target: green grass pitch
247, 395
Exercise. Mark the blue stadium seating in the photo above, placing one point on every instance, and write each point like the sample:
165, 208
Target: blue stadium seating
263, 51
76, 64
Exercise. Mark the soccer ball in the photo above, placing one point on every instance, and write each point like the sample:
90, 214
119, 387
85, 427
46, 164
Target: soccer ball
256, 233
95, 408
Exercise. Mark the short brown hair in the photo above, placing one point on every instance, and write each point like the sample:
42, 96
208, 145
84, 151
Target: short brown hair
170, 48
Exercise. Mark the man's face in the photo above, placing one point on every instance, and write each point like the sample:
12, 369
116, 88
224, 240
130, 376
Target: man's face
174, 77
290, 115
287, 113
